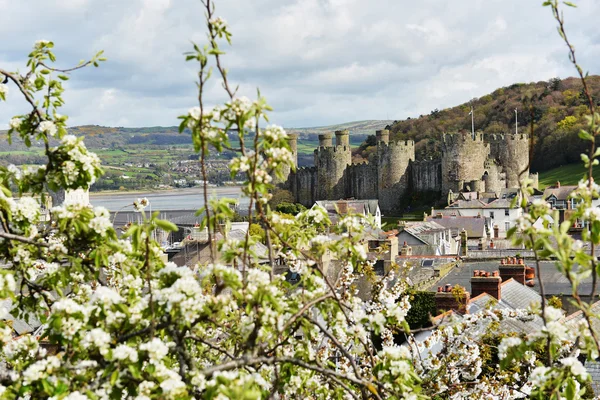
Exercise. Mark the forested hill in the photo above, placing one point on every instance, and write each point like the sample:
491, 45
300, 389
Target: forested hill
558, 109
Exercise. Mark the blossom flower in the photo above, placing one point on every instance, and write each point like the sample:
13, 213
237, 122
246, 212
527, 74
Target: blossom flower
41, 43
576, 367
194, 112
140, 204
3, 90
48, 128
15, 123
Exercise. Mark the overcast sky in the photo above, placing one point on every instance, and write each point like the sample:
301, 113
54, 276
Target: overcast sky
318, 62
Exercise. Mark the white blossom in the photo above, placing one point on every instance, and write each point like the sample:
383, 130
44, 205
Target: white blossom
48, 128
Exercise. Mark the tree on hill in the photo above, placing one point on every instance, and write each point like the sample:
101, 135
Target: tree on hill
545, 104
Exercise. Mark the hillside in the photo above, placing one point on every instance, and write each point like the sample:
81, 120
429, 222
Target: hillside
117, 145
556, 108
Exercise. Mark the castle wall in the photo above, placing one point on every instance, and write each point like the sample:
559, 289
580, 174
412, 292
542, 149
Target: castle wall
393, 160
426, 176
304, 183
362, 181
463, 160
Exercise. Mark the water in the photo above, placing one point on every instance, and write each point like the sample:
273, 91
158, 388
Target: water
177, 199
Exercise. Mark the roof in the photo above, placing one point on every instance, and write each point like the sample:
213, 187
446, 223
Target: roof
555, 283
561, 193
475, 226
341, 207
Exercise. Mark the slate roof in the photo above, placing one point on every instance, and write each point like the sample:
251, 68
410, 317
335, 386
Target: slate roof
561, 193
474, 226
555, 283
423, 227
337, 207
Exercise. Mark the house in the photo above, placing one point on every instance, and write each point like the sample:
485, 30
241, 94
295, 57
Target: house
475, 226
337, 208
500, 213
427, 238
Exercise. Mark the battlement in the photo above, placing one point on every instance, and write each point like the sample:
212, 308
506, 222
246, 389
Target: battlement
399, 144
454, 138
382, 135
292, 136
503, 137
333, 150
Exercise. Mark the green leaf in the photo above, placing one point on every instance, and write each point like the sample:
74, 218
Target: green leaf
166, 225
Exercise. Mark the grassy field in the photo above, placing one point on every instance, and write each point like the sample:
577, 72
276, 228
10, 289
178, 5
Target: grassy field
566, 175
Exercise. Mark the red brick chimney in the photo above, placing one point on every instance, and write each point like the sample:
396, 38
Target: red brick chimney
484, 282
515, 271
452, 298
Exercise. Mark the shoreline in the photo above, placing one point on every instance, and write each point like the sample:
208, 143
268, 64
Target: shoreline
197, 190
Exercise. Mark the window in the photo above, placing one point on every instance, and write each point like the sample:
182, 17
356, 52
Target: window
506, 212
506, 226
491, 214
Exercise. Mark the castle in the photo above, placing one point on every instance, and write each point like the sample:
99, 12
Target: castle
480, 163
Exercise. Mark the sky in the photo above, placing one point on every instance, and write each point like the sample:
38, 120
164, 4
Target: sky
318, 62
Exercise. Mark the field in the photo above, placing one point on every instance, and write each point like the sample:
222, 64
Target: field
566, 174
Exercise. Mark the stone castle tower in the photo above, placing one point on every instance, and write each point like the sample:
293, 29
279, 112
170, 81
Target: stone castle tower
331, 163
483, 163
393, 160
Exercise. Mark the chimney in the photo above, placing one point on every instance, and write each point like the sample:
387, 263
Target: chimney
342, 207
452, 298
482, 282
558, 184
463, 243
406, 250
513, 270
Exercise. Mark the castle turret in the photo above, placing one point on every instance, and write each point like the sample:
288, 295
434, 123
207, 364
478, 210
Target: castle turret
331, 163
383, 136
393, 160
342, 138
463, 160
325, 140
493, 178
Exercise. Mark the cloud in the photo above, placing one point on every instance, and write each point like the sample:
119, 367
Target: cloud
317, 61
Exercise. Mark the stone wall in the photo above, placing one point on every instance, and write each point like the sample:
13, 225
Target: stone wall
304, 184
361, 181
331, 164
426, 176
512, 153
463, 160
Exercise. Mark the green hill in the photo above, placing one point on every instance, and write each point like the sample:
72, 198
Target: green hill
565, 174
556, 108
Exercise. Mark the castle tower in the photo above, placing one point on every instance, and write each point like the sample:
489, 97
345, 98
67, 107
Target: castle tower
515, 159
463, 159
383, 136
393, 160
511, 151
331, 162
492, 177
